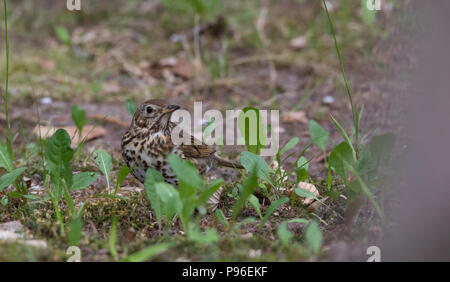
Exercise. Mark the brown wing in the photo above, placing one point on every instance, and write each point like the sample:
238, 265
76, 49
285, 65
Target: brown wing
197, 151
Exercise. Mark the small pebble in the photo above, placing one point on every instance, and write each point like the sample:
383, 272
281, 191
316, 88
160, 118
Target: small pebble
46, 100
328, 100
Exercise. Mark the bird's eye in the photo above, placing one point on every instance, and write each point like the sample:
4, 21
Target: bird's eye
148, 109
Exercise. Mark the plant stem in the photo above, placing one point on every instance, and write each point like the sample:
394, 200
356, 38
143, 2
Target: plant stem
8, 135
341, 65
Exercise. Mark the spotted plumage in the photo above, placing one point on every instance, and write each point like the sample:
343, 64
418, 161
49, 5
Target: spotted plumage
148, 141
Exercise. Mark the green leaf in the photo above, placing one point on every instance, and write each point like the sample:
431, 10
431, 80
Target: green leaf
255, 203
291, 144
318, 134
344, 135
76, 228
131, 106
273, 207
251, 161
10, 177
5, 160
209, 191
313, 236
151, 178
58, 156
149, 252
113, 239
304, 193
284, 234
79, 117
302, 169
210, 235
123, 173
185, 171
340, 158
4, 200
221, 218
170, 199
104, 163
63, 35
83, 180
248, 189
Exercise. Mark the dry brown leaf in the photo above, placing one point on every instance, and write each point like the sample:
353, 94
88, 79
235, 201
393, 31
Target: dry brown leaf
299, 116
306, 201
89, 132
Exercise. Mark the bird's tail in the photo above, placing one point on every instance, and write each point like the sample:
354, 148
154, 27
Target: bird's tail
226, 163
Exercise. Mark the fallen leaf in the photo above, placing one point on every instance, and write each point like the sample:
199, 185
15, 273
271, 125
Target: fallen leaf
89, 132
299, 116
306, 201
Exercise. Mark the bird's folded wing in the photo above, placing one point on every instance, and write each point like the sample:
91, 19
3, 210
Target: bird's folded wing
196, 151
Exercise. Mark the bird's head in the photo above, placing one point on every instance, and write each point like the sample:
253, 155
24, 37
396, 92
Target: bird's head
154, 114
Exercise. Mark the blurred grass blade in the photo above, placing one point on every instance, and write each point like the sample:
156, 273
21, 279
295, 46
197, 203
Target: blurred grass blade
149, 252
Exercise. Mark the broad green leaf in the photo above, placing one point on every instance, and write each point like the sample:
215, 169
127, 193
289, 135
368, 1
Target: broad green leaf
313, 236
304, 193
255, 203
79, 117
251, 161
302, 169
340, 158
10, 177
221, 218
344, 135
291, 144
149, 252
76, 228
58, 156
284, 234
151, 178
131, 106
83, 180
5, 160
273, 207
185, 171
4, 200
248, 189
123, 173
104, 163
209, 191
170, 199
63, 35
318, 134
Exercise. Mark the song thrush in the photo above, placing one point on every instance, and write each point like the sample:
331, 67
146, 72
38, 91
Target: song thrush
148, 141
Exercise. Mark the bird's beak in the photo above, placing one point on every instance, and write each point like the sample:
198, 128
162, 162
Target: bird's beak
170, 109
